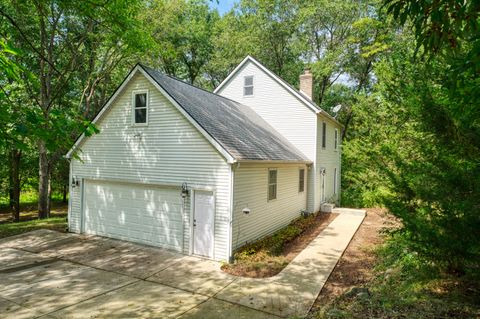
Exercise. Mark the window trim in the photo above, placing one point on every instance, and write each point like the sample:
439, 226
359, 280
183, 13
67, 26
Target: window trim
301, 180
335, 139
324, 135
147, 106
269, 184
252, 86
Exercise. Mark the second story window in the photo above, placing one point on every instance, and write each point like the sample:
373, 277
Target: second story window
248, 85
324, 135
140, 107
335, 141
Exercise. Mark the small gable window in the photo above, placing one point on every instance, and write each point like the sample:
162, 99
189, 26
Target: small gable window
272, 184
248, 85
301, 180
140, 107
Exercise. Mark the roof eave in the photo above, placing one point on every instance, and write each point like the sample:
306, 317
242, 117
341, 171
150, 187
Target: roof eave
247, 161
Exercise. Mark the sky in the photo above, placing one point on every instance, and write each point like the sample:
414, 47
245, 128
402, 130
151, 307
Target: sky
223, 6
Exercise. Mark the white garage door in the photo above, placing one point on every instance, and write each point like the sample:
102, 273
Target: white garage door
144, 214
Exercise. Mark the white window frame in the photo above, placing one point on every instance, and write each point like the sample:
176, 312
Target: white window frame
335, 180
301, 184
147, 106
335, 139
245, 86
272, 184
324, 135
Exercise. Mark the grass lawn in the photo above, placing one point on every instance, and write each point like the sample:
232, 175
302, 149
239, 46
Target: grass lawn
268, 256
53, 223
29, 216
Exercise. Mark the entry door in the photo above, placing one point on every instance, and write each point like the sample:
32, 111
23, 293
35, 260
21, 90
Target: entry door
203, 218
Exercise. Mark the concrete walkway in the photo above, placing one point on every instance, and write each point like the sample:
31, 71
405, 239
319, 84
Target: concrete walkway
53, 275
294, 290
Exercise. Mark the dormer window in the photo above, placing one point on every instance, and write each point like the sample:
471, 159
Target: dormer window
140, 107
248, 85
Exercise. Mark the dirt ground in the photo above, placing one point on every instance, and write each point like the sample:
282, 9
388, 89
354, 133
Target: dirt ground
355, 267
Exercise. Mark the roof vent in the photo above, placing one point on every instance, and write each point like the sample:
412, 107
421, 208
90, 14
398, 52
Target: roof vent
306, 83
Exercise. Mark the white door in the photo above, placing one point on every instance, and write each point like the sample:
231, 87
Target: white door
203, 227
139, 213
322, 176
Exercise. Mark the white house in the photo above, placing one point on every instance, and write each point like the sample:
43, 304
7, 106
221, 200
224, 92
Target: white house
197, 172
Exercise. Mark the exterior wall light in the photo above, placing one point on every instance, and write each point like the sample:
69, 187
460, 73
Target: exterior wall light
184, 190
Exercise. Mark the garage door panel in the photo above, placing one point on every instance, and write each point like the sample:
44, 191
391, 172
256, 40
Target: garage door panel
145, 214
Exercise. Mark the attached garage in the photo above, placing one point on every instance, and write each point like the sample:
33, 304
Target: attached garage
140, 213
163, 142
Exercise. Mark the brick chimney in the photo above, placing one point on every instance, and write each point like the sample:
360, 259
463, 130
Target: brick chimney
306, 83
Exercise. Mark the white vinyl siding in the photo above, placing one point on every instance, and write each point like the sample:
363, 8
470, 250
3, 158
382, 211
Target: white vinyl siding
330, 159
282, 110
167, 152
265, 216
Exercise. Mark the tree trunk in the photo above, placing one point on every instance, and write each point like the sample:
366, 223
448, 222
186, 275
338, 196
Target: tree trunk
43, 182
14, 187
64, 199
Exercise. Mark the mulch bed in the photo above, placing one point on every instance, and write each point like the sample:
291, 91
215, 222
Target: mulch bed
263, 263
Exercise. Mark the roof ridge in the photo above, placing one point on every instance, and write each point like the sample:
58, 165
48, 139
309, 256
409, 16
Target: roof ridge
189, 84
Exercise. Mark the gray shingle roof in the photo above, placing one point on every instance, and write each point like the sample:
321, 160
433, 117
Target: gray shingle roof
236, 127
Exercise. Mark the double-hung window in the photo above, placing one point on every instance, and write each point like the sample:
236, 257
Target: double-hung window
324, 135
140, 107
336, 139
248, 85
335, 181
272, 184
301, 180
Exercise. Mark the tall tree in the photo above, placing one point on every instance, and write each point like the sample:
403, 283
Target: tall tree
327, 26
52, 36
272, 26
183, 33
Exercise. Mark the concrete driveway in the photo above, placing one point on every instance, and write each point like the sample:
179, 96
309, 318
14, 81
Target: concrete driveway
48, 274
54, 275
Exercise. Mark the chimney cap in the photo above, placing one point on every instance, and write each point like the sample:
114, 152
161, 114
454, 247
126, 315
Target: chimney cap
307, 71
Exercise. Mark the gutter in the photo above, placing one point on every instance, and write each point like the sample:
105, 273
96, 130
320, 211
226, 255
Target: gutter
308, 162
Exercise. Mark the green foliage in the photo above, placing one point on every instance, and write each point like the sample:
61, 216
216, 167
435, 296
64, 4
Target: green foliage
405, 286
414, 148
183, 33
